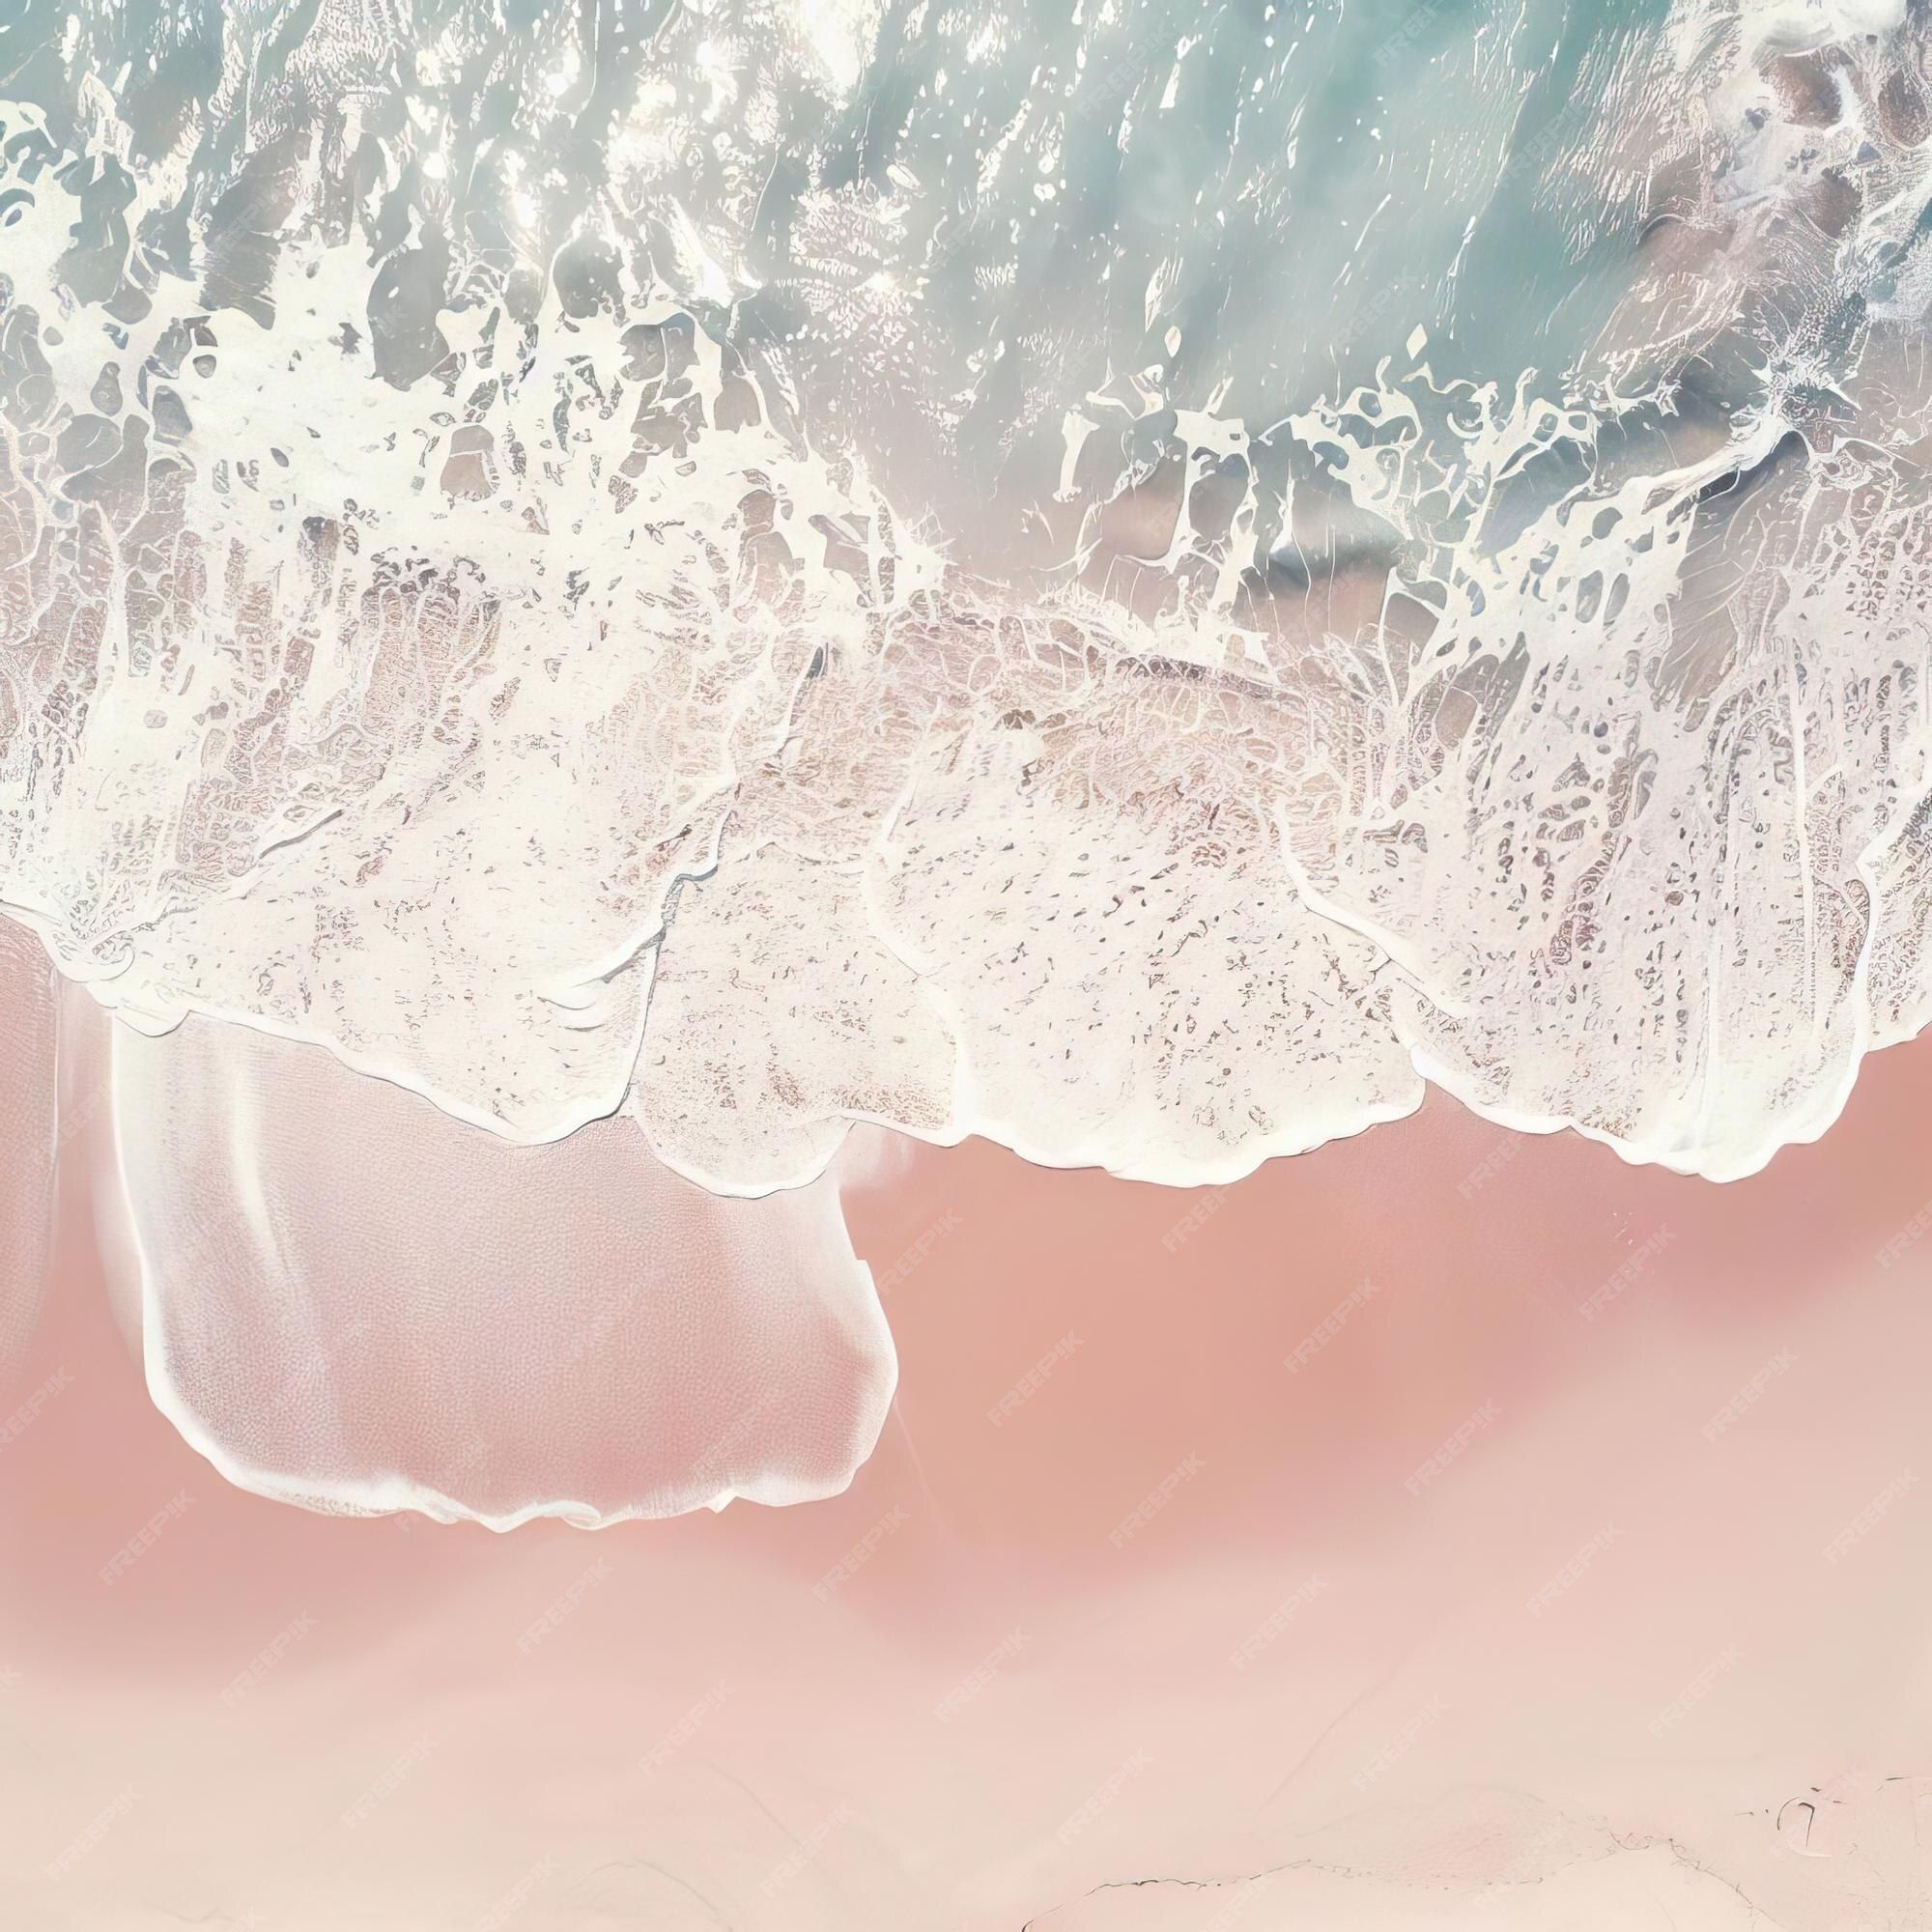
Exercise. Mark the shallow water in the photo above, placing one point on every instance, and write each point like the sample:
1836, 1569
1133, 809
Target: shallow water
1448, 477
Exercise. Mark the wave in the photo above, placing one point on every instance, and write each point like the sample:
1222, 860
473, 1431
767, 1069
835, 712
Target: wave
807, 568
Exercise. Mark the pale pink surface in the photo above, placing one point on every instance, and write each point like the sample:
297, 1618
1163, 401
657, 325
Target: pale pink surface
1112, 1739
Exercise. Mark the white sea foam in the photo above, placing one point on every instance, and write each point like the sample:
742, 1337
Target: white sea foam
603, 626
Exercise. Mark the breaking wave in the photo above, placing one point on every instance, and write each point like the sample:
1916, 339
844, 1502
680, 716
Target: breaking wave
1138, 583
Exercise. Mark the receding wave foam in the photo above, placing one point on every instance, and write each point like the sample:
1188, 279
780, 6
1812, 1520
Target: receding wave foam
709, 625
399, 1312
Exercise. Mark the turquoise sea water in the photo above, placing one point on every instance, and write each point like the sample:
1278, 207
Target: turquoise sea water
943, 226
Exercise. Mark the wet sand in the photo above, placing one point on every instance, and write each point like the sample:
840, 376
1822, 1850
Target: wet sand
1442, 1528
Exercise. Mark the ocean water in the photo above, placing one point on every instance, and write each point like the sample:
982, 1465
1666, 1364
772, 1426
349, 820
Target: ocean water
1140, 579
